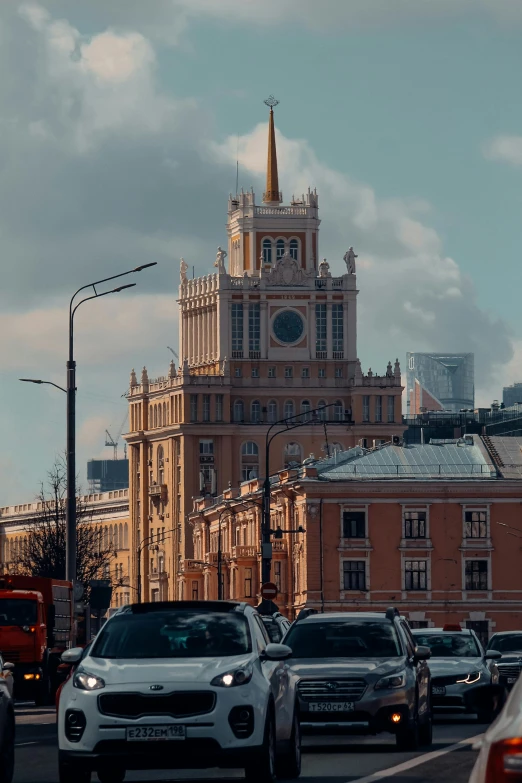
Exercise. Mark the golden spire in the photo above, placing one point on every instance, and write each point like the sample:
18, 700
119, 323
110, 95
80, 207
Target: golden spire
271, 195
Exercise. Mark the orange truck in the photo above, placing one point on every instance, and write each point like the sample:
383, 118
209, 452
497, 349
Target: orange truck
36, 621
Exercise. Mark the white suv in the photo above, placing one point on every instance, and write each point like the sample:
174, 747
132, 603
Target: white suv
180, 685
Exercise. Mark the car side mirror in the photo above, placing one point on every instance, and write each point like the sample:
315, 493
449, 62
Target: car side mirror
8, 667
72, 656
276, 652
492, 655
421, 653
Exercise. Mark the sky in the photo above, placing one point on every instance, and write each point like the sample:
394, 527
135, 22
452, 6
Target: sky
120, 125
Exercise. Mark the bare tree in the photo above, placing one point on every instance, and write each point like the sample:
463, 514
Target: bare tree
42, 551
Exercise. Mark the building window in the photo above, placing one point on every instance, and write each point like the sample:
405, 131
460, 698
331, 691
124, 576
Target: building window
354, 524
206, 407
354, 575
195, 591
378, 408
161, 465
255, 372
476, 575
267, 251
414, 524
321, 373
237, 329
193, 407
294, 249
338, 411
206, 447
418, 623
289, 409
305, 410
219, 407
391, 409
248, 583
320, 329
255, 411
366, 408
305, 372
475, 524
254, 326
289, 372
237, 372
280, 248
272, 412
337, 329
249, 461
239, 411
338, 372
415, 575
292, 455
271, 372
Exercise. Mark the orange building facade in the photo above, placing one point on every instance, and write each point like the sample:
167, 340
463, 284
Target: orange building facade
429, 529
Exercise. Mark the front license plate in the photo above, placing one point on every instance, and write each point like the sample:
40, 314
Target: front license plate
438, 690
511, 680
157, 733
332, 706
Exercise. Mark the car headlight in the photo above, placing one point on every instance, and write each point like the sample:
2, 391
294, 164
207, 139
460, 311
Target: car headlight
393, 681
88, 682
232, 678
470, 678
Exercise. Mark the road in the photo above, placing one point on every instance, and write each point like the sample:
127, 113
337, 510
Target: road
326, 759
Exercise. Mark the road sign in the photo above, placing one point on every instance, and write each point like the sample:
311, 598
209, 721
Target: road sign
269, 590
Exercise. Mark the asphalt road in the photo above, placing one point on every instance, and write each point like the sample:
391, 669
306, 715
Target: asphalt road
326, 759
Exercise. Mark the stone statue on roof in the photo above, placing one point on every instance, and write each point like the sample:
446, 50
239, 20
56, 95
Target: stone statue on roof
220, 261
183, 266
349, 259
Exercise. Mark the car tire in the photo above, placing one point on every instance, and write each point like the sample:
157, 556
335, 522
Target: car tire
111, 775
426, 730
7, 752
407, 738
288, 764
263, 769
73, 773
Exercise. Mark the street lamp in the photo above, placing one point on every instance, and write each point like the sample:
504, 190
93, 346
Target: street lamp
70, 390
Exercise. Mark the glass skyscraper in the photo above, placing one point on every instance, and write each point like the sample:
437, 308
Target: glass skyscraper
439, 381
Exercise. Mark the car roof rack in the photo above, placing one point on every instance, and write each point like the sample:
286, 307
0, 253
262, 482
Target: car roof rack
304, 613
391, 613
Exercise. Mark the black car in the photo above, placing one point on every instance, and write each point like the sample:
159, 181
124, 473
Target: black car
509, 644
7, 725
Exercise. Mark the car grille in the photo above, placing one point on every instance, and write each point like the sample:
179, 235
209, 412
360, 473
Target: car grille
509, 670
350, 689
136, 705
450, 679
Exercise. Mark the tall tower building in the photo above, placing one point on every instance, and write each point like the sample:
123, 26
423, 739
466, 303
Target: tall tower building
269, 335
440, 381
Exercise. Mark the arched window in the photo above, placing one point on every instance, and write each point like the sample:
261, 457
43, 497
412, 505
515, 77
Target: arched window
161, 462
272, 412
305, 409
239, 411
160, 418
120, 536
292, 455
255, 412
280, 248
165, 414
154, 417
267, 251
105, 538
322, 414
126, 536
338, 411
294, 248
289, 409
249, 461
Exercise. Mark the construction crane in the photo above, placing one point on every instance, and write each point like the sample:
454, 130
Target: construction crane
173, 352
110, 441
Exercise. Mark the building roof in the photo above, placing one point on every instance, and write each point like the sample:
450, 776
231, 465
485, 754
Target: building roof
507, 453
455, 459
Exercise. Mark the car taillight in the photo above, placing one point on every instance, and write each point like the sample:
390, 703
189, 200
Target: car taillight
505, 761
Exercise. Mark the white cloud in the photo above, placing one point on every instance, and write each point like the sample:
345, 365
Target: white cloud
505, 148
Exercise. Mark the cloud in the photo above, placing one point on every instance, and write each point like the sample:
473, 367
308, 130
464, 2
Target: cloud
507, 149
412, 296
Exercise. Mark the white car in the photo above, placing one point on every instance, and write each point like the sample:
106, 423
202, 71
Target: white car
500, 757
180, 685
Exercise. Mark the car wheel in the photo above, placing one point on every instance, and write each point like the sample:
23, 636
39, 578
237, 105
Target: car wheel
263, 769
288, 764
111, 775
407, 738
7, 752
426, 730
72, 773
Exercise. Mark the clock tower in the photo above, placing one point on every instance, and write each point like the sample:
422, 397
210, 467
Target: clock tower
269, 335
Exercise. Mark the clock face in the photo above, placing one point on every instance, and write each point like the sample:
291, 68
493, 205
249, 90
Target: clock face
288, 327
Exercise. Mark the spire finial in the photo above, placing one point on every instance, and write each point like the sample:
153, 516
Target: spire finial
272, 194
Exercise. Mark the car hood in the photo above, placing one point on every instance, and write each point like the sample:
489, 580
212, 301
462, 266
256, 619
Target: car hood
446, 666
117, 671
328, 668
510, 657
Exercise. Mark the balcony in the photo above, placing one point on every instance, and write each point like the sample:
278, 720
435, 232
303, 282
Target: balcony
192, 565
158, 576
279, 546
244, 551
158, 491
212, 557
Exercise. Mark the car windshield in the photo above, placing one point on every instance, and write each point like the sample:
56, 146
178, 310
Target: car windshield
510, 643
15, 611
448, 645
273, 629
343, 639
173, 633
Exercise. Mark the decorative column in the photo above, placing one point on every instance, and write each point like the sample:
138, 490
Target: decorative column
264, 329
311, 328
245, 328
345, 331
329, 345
